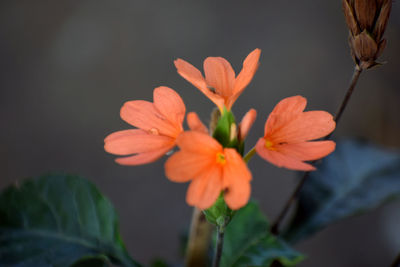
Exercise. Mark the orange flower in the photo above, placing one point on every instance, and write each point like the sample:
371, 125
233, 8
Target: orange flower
211, 168
220, 84
288, 130
159, 125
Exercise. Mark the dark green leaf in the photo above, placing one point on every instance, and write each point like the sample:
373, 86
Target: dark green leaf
58, 220
357, 177
99, 261
159, 263
248, 242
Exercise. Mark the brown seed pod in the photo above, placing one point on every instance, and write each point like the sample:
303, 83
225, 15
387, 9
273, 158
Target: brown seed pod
366, 20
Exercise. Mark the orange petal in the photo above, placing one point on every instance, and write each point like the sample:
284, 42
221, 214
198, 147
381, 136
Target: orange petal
195, 123
170, 104
307, 126
308, 150
197, 142
193, 75
135, 141
281, 160
144, 115
204, 190
219, 75
285, 111
250, 65
238, 194
236, 179
235, 167
143, 158
183, 166
246, 123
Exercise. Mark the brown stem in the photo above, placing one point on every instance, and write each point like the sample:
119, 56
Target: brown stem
339, 113
282, 214
396, 262
354, 80
199, 240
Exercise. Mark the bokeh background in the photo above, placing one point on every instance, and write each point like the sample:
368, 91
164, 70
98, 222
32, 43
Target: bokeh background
66, 68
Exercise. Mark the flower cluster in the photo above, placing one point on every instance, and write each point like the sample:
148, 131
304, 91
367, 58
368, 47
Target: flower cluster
213, 161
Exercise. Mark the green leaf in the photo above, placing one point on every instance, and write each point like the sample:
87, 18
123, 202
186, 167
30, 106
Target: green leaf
97, 261
59, 220
248, 241
356, 178
159, 263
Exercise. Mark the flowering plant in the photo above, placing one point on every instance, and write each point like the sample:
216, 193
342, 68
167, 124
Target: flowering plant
63, 220
215, 164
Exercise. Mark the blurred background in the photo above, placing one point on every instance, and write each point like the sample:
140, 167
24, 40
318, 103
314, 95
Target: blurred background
66, 68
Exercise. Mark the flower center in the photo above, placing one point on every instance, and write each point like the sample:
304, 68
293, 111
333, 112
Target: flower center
269, 145
220, 158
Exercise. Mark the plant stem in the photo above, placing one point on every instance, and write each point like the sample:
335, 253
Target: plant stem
396, 262
199, 240
219, 245
339, 113
282, 214
354, 80
249, 155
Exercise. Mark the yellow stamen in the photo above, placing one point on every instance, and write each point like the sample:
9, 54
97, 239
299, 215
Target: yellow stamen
220, 158
269, 145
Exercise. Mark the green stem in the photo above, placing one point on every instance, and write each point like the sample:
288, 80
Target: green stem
219, 245
249, 155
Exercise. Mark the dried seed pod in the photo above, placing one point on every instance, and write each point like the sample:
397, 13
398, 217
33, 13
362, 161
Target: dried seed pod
367, 20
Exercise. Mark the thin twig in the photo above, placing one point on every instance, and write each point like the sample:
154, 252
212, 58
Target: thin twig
354, 80
218, 246
396, 262
282, 214
339, 113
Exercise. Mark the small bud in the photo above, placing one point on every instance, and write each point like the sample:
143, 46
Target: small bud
233, 133
215, 115
226, 130
246, 123
219, 213
366, 20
